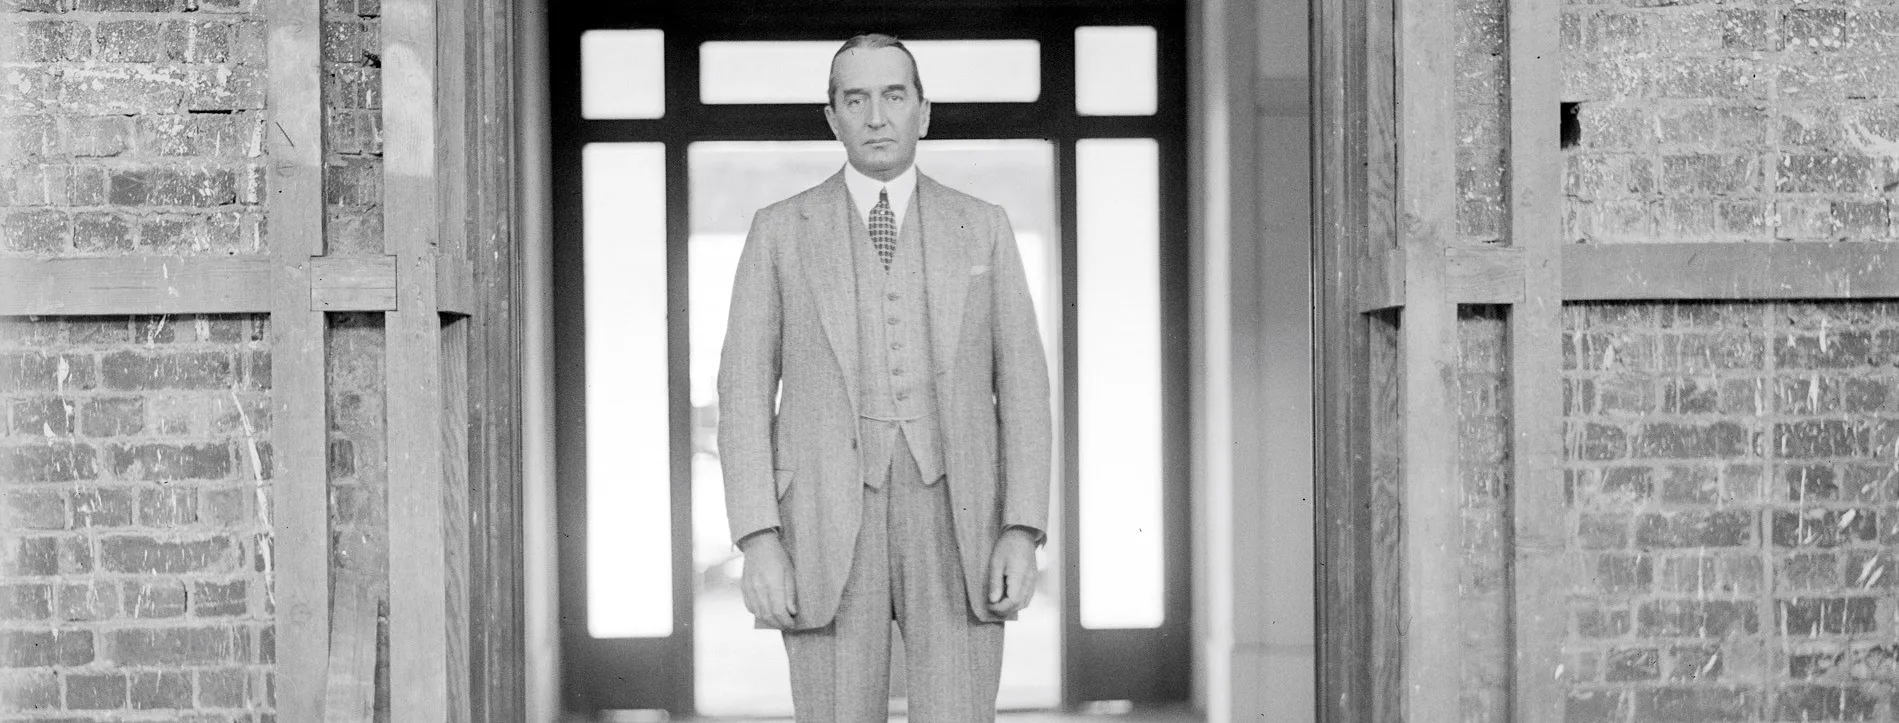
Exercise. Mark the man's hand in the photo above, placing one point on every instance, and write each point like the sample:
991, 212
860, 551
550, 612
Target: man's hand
766, 584
1012, 572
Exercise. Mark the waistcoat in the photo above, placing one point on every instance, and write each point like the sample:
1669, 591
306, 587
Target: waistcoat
896, 380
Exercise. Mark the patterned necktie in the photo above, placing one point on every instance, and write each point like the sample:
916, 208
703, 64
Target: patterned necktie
883, 228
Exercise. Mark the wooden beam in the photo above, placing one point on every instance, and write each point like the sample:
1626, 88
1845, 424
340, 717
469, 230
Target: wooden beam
1840, 270
1483, 274
428, 667
353, 283
1380, 279
136, 285
300, 505
1537, 505
1432, 494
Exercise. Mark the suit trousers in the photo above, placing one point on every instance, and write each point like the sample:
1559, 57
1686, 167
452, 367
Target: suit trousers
906, 569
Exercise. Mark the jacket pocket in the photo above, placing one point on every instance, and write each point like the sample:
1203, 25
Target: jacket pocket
781, 478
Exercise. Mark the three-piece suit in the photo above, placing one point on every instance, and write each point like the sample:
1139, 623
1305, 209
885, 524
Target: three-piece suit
890, 421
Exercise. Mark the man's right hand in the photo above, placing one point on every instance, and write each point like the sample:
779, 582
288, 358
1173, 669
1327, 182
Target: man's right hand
766, 583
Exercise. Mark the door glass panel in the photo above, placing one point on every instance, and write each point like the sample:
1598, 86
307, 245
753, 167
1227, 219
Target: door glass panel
741, 671
629, 497
795, 71
1115, 70
1119, 357
621, 74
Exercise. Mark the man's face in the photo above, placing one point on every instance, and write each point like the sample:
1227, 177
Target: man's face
877, 112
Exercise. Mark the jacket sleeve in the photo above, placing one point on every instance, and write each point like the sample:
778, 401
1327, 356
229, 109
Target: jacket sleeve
748, 385
1022, 387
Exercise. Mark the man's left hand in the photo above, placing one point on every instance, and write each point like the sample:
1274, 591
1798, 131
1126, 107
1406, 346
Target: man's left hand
1012, 572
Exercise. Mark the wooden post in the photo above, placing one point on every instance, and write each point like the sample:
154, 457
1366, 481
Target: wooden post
1432, 521
299, 511
428, 647
1536, 361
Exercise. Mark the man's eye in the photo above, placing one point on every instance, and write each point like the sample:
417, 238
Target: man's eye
854, 102
894, 98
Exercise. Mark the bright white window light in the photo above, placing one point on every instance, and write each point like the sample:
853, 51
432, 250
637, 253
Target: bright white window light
622, 74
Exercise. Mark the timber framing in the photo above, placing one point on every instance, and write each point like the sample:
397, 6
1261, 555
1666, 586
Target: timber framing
119, 285
1636, 272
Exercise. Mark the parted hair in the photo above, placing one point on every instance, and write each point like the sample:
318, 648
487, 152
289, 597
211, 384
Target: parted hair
872, 41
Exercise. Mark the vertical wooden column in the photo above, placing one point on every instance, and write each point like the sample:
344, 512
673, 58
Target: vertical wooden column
299, 508
1536, 226
1432, 524
428, 647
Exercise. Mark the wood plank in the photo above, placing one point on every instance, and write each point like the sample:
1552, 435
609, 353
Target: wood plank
136, 285
423, 667
454, 426
353, 283
350, 693
1837, 270
299, 508
1380, 280
1432, 494
455, 287
1385, 509
1539, 576
1483, 274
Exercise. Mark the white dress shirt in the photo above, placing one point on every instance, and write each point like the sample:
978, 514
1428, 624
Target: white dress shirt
864, 192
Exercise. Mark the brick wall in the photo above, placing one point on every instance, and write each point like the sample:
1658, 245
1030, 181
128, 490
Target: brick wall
1735, 502
1753, 121
135, 462
1484, 465
1481, 87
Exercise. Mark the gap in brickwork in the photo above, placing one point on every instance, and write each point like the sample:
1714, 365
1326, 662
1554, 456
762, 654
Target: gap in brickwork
1485, 467
1480, 87
1734, 501
136, 464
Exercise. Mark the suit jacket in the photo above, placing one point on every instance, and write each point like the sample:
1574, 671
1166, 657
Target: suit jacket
790, 456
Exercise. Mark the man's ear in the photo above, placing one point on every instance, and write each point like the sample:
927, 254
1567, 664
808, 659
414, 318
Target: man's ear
923, 124
830, 119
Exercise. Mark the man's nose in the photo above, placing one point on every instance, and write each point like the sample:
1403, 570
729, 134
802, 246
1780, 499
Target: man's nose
876, 118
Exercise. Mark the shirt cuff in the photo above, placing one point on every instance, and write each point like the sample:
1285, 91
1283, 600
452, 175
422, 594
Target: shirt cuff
741, 541
1040, 536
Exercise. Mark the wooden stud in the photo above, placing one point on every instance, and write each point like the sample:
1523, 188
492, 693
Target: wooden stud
1539, 576
1380, 279
1483, 274
299, 510
428, 666
1432, 494
137, 285
455, 287
353, 283
1839, 270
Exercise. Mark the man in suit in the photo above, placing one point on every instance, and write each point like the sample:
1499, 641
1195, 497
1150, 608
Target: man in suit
884, 417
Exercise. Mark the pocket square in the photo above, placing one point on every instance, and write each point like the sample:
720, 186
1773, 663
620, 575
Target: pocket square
973, 270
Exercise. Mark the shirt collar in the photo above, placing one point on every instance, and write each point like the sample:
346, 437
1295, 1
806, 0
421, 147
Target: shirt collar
864, 191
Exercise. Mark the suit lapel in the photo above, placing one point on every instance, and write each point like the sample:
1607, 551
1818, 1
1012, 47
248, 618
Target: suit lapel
945, 237
831, 273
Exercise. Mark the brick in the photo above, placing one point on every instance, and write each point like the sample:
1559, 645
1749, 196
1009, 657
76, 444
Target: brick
1827, 616
112, 416
1721, 528
1697, 618
162, 689
34, 510
1603, 532
1629, 664
86, 602
147, 647
166, 462
1599, 623
1824, 527
1692, 484
51, 41
28, 690
1623, 574
25, 602
125, 88
45, 648
220, 599
1811, 482
168, 507
42, 232
102, 232
40, 372
199, 134
130, 370
1596, 706
1599, 442
1811, 571
95, 691
1822, 438
224, 688
1706, 174
29, 557
43, 417
140, 554
104, 507
1826, 703
1670, 440
1699, 704
130, 6
1871, 569
58, 462
141, 41
155, 598
1691, 663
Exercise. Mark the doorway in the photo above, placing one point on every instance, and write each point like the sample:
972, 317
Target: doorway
676, 123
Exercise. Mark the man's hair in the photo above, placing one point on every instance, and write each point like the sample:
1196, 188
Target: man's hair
870, 41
